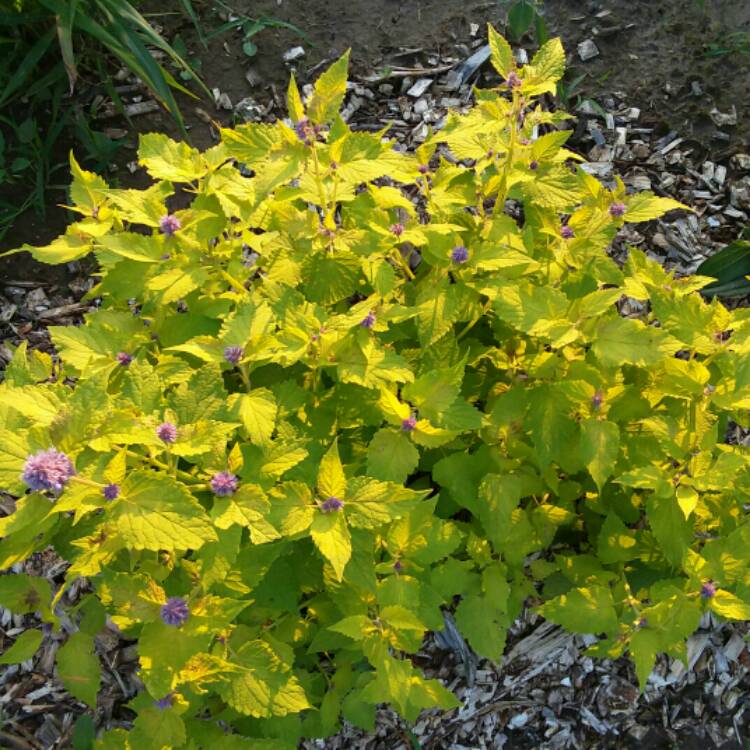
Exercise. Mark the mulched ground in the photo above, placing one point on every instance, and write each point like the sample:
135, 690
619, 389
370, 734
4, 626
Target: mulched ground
546, 693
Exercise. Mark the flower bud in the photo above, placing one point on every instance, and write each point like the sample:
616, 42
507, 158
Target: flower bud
408, 424
709, 589
167, 432
459, 254
175, 612
368, 321
567, 232
111, 491
169, 224
397, 229
617, 210
331, 504
123, 358
233, 354
512, 81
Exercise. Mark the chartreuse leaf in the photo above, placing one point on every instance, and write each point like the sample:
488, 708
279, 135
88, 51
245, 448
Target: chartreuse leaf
24, 648
257, 411
156, 512
263, 685
78, 667
726, 604
331, 535
646, 206
501, 53
166, 159
331, 479
248, 507
328, 92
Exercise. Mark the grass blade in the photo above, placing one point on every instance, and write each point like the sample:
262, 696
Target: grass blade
28, 64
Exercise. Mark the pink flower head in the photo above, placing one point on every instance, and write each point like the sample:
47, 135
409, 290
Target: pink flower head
408, 424
233, 354
166, 432
331, 504
369, 320
123, 358
567, 232
512, 81
617, 210
709, 589
169, 224
111, 491
224, 483
459, 254
175, 611
47, 470
397, 229
303, 131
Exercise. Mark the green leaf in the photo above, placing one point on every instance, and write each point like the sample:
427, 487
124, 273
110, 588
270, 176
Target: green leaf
483, 626
670, 527
332, 538
158, 728
520, 18
391, 456
600, 446
24, 648
583, 610
328, 92
23, 594
156, 513
78, 668
644, 646
621, 340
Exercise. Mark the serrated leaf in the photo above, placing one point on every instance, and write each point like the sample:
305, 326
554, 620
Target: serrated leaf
155, 512
166, 159
332, 538
391, 456
78, 667
24, 648
328, 92
583, 610
257, 411
646, 206
263, 686
600, 445
331, 478
248, 507
500, 52
726, 604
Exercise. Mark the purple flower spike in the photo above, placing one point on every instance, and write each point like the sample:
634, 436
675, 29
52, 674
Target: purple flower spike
368, 321
233, 354
224, 484
169, 224
708, 590
617, 210
567, 232
123, 358
166, 432
302, 129
397, 229
409, 423
596, 400
166, 702
112, 491
513, 81
175, 611
331, 504
459, 254
47, 470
